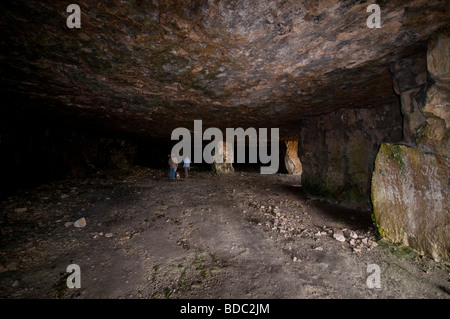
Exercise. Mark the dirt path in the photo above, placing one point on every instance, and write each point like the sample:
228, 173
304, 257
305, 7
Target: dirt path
243, 235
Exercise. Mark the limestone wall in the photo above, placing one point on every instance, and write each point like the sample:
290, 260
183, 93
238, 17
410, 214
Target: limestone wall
410, 183
337, 151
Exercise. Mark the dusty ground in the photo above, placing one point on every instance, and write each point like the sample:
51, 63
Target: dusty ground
243, 235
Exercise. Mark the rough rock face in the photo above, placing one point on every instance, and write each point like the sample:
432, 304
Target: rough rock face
436, 132
291, 160
410, 82
425, 96
338, 150
148, 67
410, 199
410, 184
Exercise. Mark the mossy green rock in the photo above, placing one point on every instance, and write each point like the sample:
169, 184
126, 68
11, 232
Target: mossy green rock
410, 199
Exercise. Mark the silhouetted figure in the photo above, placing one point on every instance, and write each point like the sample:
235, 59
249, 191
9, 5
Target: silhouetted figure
173, 164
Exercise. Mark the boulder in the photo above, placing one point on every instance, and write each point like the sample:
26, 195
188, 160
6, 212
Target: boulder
423, 83
80, 222
410, 196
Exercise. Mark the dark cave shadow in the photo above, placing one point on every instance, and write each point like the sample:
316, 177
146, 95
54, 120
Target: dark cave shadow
444, 289
334, 213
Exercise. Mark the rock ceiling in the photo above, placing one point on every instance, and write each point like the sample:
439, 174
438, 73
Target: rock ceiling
147, 67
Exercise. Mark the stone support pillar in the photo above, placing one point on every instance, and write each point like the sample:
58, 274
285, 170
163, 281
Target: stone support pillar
291, 160
223, 160
410, 183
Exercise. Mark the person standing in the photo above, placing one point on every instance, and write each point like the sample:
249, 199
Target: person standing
173, 164
186, 166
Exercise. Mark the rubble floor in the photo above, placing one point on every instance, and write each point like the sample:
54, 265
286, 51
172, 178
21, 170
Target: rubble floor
241, 235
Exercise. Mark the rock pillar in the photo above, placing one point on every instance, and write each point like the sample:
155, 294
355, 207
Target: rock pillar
291, 160
223, 159
410, 184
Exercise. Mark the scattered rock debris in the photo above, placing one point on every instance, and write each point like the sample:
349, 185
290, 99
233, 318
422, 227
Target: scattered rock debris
80, 223
212, 236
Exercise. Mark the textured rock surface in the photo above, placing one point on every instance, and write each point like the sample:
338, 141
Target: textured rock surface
410, 199
425, 102
291, 160
410, 184
410, 82
435, 134
337, 151
148, 67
